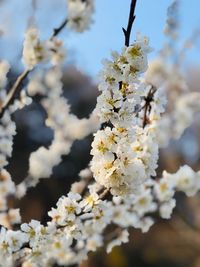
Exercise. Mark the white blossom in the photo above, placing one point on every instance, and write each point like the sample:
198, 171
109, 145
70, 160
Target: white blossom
166, 208
80, 14
122, 238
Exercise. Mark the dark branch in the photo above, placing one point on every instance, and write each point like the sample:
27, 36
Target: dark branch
147, 107
127, 32
13, 92
56, 31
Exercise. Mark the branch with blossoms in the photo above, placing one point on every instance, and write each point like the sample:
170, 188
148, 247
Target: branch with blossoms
120, 188
77, 20
18, 84
35, 51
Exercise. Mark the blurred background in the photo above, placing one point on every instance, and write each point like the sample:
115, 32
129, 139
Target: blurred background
174, 243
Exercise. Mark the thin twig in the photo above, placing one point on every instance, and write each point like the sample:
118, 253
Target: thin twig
13, 91
56, 31
147, 107
127, 31
104, 194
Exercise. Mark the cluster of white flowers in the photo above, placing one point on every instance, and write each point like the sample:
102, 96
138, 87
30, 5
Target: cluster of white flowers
77, 227
135, 124
66, 131
8, 217
184, 180
7, 131
80, 14
66, 126
8, 128
120, 87
182, 104
175, 122
78, 224
126, 152
6, 187
167, 71
36, 51
4, 68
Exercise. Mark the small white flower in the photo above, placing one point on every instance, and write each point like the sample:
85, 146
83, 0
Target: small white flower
166, 208
122, 238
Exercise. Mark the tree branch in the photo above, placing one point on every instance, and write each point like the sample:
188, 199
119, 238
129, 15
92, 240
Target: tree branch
56, 31
127, 31
13, 91
17, 85
147, 107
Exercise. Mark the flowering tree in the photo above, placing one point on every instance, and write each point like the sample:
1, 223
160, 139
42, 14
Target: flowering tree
138, 111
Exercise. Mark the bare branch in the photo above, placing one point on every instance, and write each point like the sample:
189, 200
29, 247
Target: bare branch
127, 31
56, 31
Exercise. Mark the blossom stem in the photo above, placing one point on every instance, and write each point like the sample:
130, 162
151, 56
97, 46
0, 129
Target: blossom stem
147, 106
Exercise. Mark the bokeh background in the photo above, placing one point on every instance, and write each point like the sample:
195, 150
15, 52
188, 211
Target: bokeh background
174, 243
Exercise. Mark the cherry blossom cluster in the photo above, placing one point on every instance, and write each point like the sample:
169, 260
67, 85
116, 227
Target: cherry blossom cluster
79, 224
166, 71
136, 121
8, 217
125, 152
80, 14
66, 126
182, 105
6, 187
36, 51
184, 180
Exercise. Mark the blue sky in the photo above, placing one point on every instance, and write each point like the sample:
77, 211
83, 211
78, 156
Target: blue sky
87, 50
